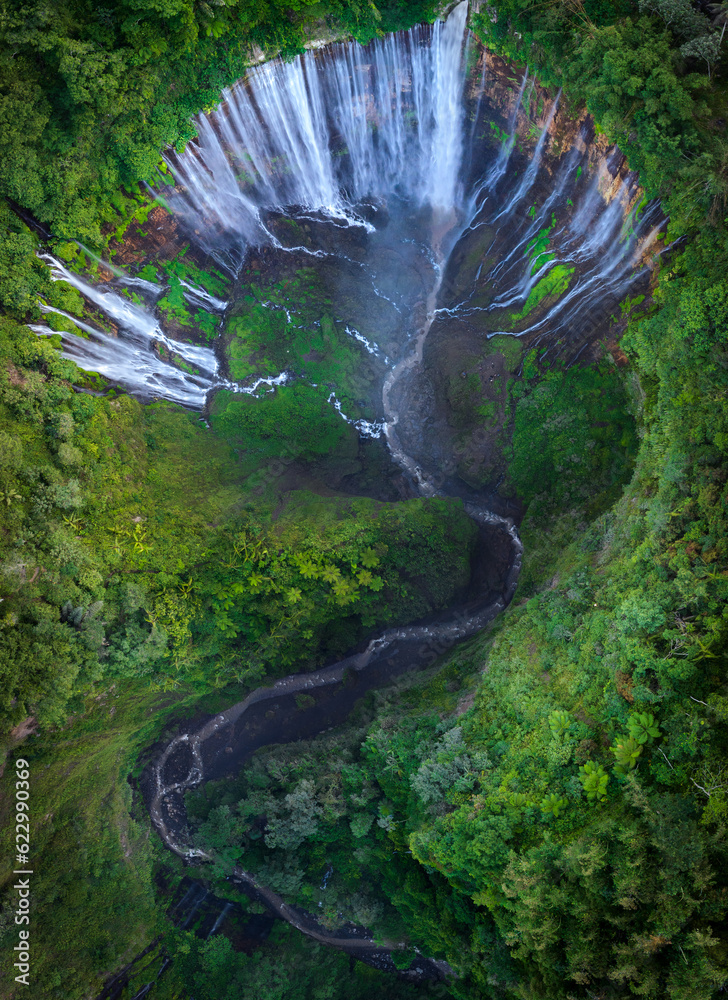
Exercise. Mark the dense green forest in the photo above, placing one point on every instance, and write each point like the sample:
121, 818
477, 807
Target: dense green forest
547, 809
116, 570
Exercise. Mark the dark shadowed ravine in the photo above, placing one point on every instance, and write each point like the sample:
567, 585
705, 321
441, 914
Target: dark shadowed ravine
217, 747
423, 182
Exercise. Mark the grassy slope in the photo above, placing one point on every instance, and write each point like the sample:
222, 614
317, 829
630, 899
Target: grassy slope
666, 538
129, 516
93, 857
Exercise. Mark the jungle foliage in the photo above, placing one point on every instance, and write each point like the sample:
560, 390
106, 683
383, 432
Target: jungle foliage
289, 968
91, 94
549, 811
130, 548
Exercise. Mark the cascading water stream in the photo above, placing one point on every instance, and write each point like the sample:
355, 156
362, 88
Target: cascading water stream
395, 107
493, 176
530, 175
534, 225
322, 138
130, 358
335, 139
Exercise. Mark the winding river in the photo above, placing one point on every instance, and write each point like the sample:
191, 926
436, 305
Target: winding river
396, 138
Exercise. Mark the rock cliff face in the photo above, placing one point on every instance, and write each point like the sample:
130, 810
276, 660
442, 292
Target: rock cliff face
558, 234
444, 209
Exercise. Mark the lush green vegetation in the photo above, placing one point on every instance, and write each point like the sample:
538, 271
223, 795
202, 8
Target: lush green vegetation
94, 898
573, 435
561, 785
128, 549
92, 94
549, 810
291, 968
553, 284
135, 559
287, 325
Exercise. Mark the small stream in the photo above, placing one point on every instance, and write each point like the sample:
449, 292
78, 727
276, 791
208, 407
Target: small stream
368, 151
219, 746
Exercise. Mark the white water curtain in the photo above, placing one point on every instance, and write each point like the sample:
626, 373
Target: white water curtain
330, 129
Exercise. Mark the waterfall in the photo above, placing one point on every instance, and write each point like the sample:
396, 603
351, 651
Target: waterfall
351, 133
530, 176
195, 907
509, 260
131, 356
394, 108
500, 165
220, 920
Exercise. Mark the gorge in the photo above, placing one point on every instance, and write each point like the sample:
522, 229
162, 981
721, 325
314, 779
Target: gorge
363, 479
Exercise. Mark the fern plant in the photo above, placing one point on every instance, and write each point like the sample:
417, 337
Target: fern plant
552, 805
559, 722
643, 728
594, 780
626, 752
